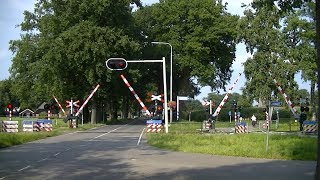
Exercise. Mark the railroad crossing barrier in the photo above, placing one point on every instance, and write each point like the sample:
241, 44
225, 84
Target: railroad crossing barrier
207, 125
309, 127
42, 125
27, 126
154, 126
241, 127
10, 126
73, 123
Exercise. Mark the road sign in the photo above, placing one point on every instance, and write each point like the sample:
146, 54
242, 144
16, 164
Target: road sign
154, 97
229, 113
275, 103
183, 98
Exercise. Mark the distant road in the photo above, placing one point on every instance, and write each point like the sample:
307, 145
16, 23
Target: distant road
111, 152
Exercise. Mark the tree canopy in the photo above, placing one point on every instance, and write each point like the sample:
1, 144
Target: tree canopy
66, 43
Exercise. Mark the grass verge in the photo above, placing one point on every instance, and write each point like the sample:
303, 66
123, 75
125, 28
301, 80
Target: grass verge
59, 127
183, 137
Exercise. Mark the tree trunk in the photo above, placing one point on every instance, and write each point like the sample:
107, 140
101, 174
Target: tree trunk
86, 115
312, 100
126, 108
260, 103
94, 113
114, 110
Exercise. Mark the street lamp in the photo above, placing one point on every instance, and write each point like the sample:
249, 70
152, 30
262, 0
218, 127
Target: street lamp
170, 73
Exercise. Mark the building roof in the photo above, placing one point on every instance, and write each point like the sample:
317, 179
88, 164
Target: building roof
26, 110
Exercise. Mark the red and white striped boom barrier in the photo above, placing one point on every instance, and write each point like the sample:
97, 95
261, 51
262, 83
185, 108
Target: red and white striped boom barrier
88, 98
64, 112
135, 94
286, 98
224, 100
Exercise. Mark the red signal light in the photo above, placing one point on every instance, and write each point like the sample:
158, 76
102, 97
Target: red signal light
10, 106
116, 64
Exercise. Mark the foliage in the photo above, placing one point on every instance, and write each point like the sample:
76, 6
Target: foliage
64, 49
202, 37
197, 116
282, 42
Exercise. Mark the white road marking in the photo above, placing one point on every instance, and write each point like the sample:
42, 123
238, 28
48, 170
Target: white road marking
56, 154
140, 137
2, 178
42, 159
105, 133
24, 168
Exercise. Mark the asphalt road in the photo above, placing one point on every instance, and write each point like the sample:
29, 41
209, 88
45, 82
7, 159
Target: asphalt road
115, 152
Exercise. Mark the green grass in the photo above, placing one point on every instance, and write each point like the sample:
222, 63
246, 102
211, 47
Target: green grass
59, 127
184, 137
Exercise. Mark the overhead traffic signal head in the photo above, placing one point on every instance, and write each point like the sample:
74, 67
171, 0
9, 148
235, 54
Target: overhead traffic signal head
117, 64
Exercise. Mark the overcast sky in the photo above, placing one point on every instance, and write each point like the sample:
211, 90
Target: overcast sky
11, 14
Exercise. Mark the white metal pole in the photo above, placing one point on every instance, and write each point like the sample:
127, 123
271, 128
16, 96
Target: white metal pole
165, 95
71, 108
268, 123
210, 107
171, 113
177, 108
82, 118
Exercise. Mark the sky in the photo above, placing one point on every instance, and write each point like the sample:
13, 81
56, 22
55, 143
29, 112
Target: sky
11, 14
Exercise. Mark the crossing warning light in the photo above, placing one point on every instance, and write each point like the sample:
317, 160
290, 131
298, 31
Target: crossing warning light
10, 106
117, 64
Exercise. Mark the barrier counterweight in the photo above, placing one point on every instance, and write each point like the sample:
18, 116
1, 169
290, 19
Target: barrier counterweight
154, 126
10, 126
42, 125
241, 128
310, 127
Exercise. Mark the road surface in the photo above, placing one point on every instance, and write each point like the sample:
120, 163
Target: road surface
115, 152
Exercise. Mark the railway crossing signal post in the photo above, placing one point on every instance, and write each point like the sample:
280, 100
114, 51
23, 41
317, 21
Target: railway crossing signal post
117, 64
121, 64
10, 108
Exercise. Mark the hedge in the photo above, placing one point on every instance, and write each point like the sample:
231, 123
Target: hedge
245, 113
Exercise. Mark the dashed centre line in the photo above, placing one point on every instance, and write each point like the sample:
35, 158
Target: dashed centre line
24, 168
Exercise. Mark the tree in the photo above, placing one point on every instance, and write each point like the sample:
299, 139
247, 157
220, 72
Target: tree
202, 36
6, 95
65, 48
287, 6
261, 32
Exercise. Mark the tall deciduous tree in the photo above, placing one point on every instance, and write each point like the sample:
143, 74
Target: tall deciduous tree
65, 48
289, 6
202, 34
260, 31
